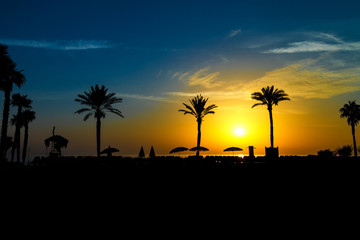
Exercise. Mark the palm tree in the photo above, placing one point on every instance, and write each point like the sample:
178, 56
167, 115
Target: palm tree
9, 76
351, 111
98, 102
27, 117
198, 110
19, 101
269, 97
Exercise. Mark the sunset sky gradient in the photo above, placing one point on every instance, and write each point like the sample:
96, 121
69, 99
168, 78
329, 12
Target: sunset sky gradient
158, 54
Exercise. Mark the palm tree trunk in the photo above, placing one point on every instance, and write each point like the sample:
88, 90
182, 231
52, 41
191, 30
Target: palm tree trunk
199, 135
16, 144
98, 126
354, 140
271, 127
4, 125
26, 136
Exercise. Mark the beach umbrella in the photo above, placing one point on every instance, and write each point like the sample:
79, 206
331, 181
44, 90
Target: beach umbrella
152, 152
199, 149
141, 153
232, 149
179, 149
57, 141
109, 151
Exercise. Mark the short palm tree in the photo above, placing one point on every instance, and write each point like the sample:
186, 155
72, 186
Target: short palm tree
199, 111
9, 76
27, 117
351, 111
98, 102
21, 102
269, 97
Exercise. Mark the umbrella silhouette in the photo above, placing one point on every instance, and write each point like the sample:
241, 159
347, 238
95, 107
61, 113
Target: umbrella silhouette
199, 149
109, 151
141, 153
152, 152
57, 142
178, 149
232, 149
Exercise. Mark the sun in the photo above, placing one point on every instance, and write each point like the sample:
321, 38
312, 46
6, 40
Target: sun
239, 131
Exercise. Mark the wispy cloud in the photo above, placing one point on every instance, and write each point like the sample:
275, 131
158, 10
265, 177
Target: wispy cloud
200, 78
327, 76
306, 79
328, 42
144, 97
233, 33
328, 36
59, 44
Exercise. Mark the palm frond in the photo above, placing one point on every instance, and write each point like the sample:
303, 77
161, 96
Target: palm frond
99, 101
351, 111
189, 111
197, 108
258, 104
115, 111
87, 116
269, 96
83, 110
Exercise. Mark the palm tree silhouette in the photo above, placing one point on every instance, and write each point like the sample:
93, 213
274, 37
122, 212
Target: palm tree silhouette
9, 76
351, 111
198, 110
98, 101
27, 117
19, 101
269, 97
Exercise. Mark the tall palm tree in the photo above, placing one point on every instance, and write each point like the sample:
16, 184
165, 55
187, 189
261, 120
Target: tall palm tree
199, 111
19, 101
27, 117
269, 97
9, 76
351, 111
98, 102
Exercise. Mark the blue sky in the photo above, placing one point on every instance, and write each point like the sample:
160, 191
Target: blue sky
159, 52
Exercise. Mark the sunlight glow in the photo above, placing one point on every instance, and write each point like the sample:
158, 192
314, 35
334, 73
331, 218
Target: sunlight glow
239, 132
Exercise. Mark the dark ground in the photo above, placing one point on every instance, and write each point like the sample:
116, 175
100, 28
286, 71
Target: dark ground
307, 163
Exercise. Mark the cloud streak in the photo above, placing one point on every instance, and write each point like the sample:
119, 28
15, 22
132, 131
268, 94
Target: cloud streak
328, 42
144, 97
310, 46
59, 44
200, 78
308, 80
233, 33
322, 78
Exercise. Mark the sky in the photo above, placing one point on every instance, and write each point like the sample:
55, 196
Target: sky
158, 54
